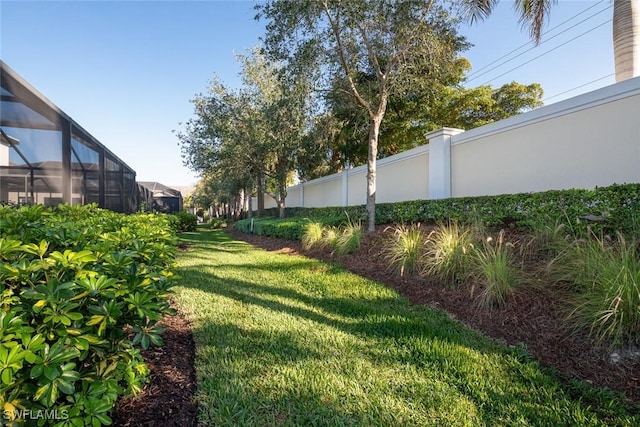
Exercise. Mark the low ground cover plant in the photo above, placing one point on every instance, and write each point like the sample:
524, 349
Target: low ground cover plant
82, 290
217, 223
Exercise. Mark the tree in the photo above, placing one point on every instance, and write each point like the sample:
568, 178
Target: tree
421, 107
534, 13
216, 142
391, 40
250, 138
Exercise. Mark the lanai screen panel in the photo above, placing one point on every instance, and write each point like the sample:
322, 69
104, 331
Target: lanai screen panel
30, 154
47, 158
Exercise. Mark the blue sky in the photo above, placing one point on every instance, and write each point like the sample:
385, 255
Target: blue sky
126, 70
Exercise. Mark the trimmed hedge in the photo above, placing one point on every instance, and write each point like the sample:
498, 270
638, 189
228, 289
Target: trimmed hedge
619, 204
183, 221
81, 291
288, 228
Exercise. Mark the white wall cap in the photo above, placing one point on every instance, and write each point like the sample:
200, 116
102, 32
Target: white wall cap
625, 89
443, 131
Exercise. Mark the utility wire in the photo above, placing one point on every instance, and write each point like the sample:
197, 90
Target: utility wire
578, 87
529, 42
544, 33
549, 51
531, 48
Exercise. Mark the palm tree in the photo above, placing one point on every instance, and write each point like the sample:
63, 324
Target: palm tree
534, 13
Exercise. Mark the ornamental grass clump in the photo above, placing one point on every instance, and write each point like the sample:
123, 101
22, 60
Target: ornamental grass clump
404, 250
547, 238
605, 278
330, 236
447, 254
347, 240
313, 235
495, 271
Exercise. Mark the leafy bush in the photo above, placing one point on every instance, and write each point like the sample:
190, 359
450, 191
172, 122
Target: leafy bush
495, 270
404, 250
218, 223
183, 222
448, 252
606, 280
82, 291
288, 228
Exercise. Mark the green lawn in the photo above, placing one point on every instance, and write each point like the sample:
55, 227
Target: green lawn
287, 340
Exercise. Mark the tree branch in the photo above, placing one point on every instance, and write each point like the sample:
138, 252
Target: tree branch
343, 60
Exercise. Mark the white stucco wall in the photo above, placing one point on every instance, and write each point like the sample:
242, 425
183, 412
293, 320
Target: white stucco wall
587, 141
326, 191
583, 142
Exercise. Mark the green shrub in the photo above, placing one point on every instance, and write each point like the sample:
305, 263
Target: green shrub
495, 271
404, 250
218, 223
606, 281
620, 205
82, 291
183, 222
287, 228
448, 252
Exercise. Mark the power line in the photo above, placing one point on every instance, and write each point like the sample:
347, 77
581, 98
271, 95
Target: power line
549, 51
578, 87
544, 33
531, 48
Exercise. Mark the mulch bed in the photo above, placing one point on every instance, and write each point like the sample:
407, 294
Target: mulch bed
531, 317
168, 399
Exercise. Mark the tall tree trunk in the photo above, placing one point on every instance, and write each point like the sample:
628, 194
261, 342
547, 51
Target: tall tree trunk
374, 131
260, 195
250, 210
626, 38
282, 196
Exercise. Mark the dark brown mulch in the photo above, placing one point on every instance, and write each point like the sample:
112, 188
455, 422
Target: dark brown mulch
533, 317
168, 399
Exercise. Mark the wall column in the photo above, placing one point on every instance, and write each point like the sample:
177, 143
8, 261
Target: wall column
345, 186
440, 162
302, 195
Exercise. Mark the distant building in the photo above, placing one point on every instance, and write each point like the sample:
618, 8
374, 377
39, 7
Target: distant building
47, 158
164, 199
